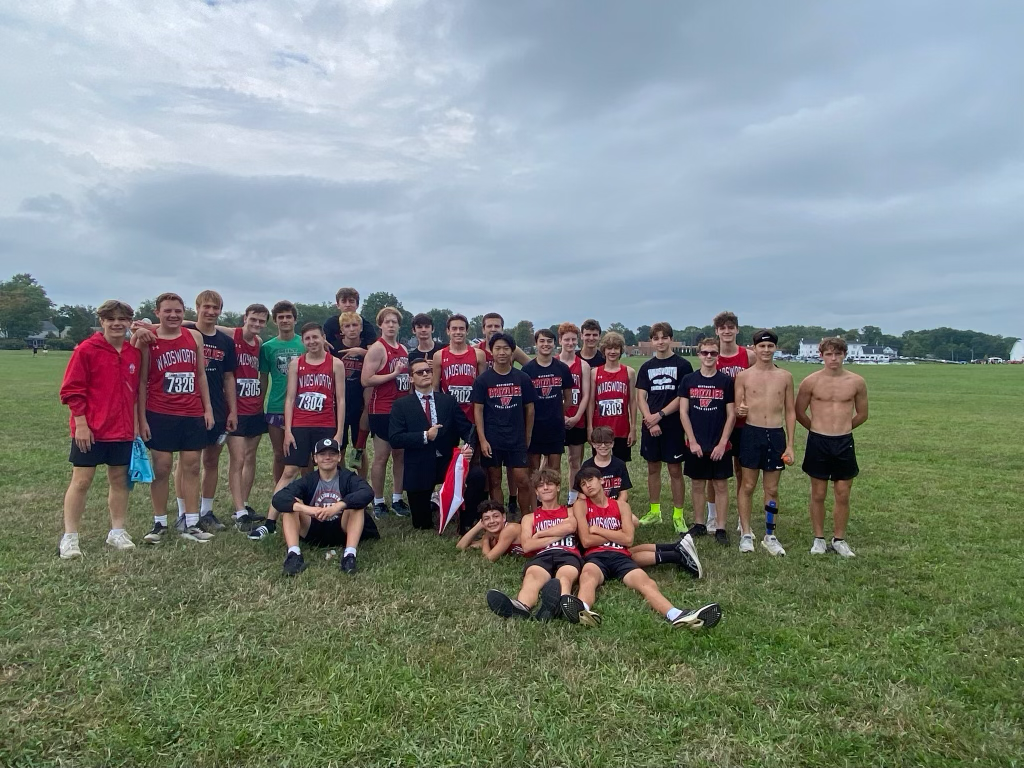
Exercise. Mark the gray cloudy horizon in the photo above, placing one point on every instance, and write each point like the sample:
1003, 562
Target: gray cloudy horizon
832, 163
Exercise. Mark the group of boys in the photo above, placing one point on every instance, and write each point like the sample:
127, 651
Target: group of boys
191, 388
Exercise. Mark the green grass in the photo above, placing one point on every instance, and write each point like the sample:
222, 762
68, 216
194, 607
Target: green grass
184, 655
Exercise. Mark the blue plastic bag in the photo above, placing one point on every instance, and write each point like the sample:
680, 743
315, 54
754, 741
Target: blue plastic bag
140, 470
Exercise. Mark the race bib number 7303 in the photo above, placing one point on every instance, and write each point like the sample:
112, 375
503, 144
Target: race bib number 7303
611, 407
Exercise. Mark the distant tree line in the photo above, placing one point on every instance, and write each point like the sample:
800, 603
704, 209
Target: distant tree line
24, 306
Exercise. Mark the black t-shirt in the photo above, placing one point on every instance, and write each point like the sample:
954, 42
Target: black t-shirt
332, 332
708, 396
353, 380
660, 379
504, 398
415, 354
614, 477
594, 362
549, 415
219, 349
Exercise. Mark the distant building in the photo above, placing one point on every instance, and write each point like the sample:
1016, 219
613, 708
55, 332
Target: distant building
647, 348
855, 350
808, 348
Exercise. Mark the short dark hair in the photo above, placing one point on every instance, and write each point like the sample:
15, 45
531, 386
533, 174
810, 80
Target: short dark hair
419, 360
602, 434
448, 322
588, 473
490, 506
545, 332
663, 328
422, 319
542, 476
346, 293
590, 324
502, 337
112, 309
492, 316
168, 297
311, 326
283, 308
257, 309
726, 318
832, 342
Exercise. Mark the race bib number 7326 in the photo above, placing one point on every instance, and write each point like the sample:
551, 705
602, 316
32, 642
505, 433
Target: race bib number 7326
179, 383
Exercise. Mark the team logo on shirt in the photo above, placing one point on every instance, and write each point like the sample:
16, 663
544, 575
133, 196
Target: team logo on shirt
131, 367
504, 393
706, 395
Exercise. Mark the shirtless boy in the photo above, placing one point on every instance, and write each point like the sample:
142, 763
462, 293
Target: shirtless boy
838, 400
764, 396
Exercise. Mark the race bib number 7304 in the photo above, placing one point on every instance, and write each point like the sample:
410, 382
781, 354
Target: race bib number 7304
311, 401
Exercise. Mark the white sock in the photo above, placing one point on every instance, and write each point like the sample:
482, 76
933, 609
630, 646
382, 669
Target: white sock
295, 550
378, 501
586, 606
711, 509
162, 519
191, 520
572, 496
673, 614
395, 498
349, 551
114, 531
205, 505
181, 506
240, 513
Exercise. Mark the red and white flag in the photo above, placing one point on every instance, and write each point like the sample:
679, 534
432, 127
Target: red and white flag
452, 489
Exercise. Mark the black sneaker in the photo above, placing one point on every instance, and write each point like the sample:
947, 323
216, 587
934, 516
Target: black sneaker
722, 537
348, 564
400, 508
550, 595
576, 612
513, 507
261, 531
357, 458
294, 564
698, 529
380, 510
701, 618
210, 523
252, 512
245, 523
156, 535
505, 606
691, 563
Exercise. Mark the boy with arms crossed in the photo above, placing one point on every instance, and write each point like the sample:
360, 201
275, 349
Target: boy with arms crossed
838, 400
764, 397
661, 434
605, 529
548, 538
576, 412
707, 413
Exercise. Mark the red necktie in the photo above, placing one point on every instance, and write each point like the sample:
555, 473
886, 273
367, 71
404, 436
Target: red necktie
426, 410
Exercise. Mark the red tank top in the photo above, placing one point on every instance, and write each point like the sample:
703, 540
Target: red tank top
576, 393
487, 353
458, 372
315, 404
611, 400
384, 395
515, 550
247, 375
731, 366
607, 517
548, 518
172, 387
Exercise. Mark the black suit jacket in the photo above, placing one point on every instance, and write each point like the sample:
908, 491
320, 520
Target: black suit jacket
424, 468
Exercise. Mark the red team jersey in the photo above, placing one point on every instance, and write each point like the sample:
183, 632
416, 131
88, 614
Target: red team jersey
611, 400
487, 353
247, 375
315, 404
384, 395
458, 372
576, 393
549, 518
173, 366
607, 517
731, 366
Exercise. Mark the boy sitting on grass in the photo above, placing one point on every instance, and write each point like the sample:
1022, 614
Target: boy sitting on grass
549, 538
493, 534
614, 472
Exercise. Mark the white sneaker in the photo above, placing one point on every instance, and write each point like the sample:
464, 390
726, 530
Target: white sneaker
842, 548
818, 547
68, 549
712, 523
747, 542
120, 540
772, 545
195, 533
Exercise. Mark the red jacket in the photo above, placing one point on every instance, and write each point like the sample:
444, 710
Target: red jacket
103, 386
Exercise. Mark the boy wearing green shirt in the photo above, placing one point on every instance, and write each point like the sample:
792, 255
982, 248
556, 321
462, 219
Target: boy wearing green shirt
275, 356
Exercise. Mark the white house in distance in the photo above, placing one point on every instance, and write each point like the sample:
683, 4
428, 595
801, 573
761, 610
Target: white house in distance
856, 351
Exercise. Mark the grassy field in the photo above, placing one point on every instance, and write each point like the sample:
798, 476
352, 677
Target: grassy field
910, 654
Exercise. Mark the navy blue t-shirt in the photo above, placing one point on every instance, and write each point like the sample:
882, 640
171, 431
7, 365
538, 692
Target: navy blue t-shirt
549, 415
504, 398
219, 349
708, 396
660, 379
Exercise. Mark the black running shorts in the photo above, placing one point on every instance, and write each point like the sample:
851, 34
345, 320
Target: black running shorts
830, 457
552, 560
380, 424
113, 453
251, 425
762, 448
329, 533
668, 446
305, 439
172, 434
614, 565
703, 468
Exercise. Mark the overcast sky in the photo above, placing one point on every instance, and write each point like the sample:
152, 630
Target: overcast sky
843, 163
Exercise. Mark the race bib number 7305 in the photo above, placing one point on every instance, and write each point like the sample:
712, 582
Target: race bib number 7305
248, 387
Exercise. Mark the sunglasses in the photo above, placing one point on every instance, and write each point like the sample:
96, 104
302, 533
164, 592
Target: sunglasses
421, 372
708, 352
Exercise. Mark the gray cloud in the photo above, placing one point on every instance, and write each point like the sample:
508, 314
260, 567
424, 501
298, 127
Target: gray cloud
833, 163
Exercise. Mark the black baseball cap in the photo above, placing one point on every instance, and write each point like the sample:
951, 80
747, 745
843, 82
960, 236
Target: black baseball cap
327, 444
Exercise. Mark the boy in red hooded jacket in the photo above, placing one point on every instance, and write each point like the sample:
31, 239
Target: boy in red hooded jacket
101, 387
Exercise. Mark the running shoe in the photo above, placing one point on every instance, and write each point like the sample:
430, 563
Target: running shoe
348, 564
505, 606
722, 537
380, 510
698, 529
577, 613
550, 594
121, 541
400, 508
210, 523
691, 563
156, 535
357, 458
68, 549
840, 547
262, 530
677, 521
701, 618
650, 518
818, 547
197, 534
772, 546
747, 542
294, 564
